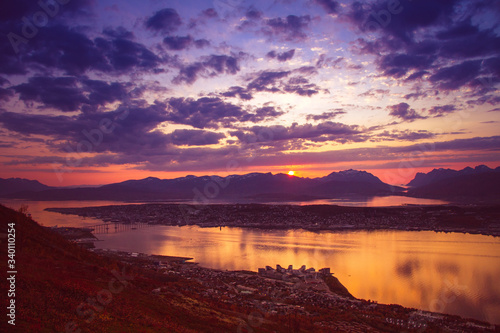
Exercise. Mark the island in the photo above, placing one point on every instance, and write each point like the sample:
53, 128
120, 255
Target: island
474, 219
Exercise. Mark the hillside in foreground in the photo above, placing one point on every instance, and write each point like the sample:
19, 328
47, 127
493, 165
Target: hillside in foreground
61, 287
59, 283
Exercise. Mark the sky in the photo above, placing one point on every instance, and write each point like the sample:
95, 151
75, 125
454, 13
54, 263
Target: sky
100, 91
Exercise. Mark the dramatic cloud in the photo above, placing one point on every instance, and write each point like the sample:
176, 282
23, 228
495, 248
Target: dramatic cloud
454, 77
210, 66
446, 54
439, 111
127, 130
398, 65
195, 137
177, 43
400, 19
240, 92
69, 50
330, 6
406, 135
403, 111
184, 84
285, 56
69, 93
166, 21
290, 28
327, 131
326, 115
207, 112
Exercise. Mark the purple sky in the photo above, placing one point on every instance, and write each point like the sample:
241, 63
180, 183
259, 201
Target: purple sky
98, 91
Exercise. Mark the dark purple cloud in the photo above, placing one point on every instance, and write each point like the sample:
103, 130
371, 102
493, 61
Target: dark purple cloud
61, 47
330, 6
406, 135
119, 33
468, 41
326, 115
284, 81
263, 113
181, 137
70, 50
210, 66
327, 131
441, 110
128, 130
203, 112
439, 41
415, 95
292, 81
61, 93
16, 10
400, 19
375, 93
210, 13
398, 65
456, 76
212, 112
267, 80
240, 92
166, 20
6, 94
70, 93
404, 112
177, 43
253, 14
284, 56
290, 28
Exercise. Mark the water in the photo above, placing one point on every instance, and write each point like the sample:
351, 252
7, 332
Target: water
444, 272
36, 208
49, 219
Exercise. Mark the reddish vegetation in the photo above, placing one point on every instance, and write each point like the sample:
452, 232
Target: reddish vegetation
55, 277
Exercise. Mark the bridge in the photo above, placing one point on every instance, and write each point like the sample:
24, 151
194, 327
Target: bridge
114, 227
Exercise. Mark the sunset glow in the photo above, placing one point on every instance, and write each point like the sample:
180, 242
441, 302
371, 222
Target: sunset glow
167, 89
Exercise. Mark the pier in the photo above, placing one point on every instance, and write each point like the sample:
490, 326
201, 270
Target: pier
114, 227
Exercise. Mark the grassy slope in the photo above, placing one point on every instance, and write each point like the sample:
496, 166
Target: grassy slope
55, 277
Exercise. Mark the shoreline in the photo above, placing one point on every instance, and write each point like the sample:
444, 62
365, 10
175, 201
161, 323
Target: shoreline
192, 271
273, 295
482, 220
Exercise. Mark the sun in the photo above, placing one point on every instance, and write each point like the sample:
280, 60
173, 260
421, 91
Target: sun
291, 173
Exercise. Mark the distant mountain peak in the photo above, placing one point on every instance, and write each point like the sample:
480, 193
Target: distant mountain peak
482, 167
352, 175
422, 179
13, 185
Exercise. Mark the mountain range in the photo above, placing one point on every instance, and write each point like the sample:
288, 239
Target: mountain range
13, 185
481, 183
252, 186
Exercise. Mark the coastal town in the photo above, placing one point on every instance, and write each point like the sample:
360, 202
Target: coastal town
464, 219
300, 296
